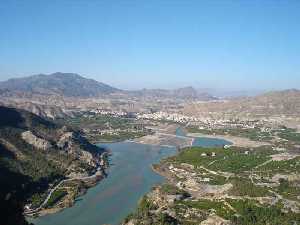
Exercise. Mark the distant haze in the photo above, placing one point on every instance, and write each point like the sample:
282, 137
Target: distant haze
222, 45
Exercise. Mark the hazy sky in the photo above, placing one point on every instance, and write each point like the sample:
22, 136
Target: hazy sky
160, 43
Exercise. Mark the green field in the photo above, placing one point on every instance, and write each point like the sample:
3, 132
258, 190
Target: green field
254, 134
102, 122
56, 196
227, 160
123, 128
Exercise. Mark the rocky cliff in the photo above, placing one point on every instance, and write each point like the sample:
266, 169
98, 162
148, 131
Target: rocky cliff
42, 153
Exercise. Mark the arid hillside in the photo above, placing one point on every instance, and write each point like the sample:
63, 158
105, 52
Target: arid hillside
272, 104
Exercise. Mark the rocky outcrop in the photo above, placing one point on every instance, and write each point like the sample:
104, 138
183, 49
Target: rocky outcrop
87, 157
215, 220
70, 142
37, 142
65, 141
37, 153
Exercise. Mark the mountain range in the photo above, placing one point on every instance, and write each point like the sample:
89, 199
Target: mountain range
66, 84
185, 93
57, 94
74, 85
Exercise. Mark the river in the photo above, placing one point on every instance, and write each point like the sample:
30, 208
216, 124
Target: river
129, 178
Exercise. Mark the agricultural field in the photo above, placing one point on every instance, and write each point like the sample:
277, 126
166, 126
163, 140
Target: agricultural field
232, 185
280, 136
107, 128
254, 134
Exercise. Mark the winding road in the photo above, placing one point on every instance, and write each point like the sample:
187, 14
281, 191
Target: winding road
31, 211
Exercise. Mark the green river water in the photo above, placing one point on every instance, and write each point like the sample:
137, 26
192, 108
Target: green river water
129, 178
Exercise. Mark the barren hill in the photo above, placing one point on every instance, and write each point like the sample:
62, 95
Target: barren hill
277, 103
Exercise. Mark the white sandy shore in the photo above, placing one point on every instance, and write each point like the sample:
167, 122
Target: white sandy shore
164, 139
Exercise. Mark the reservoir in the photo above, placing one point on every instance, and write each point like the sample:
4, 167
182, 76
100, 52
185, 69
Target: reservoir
129, 178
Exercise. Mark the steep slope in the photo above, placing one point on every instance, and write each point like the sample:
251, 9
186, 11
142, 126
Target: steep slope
34, 154
44, 110
11, 205
66, 84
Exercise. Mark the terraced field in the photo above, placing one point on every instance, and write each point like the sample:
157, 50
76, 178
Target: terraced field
224, 186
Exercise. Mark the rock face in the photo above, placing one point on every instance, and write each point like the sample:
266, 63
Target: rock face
37, 142
65, 141
20, 127
70, 142
34, 153
87, 157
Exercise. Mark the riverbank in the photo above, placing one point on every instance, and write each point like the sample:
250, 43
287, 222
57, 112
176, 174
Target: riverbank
236, 141
165, 139
129, 178
83, 184
157, 145
203, 188
158, 204
64, 194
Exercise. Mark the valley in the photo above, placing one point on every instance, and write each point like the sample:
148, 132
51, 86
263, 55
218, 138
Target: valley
129, 112
195, 159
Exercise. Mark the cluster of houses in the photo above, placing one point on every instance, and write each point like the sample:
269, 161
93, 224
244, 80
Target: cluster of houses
199, 121
208, 122
175, 117
109, 112
110, 131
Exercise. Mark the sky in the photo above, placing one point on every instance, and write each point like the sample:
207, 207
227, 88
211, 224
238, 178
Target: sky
130, 44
